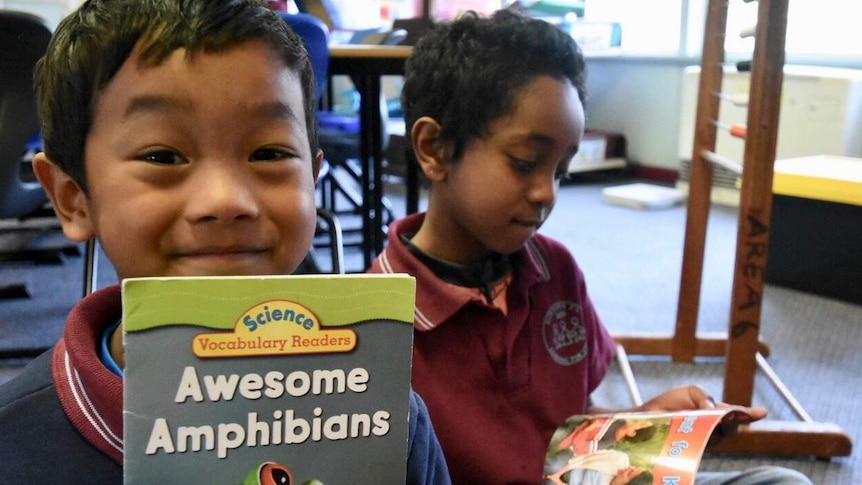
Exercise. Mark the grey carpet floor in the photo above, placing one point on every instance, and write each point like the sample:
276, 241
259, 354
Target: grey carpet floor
632, 261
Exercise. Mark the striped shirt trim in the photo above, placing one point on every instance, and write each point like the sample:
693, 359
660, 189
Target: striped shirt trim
420, 321
85, 405
539, 258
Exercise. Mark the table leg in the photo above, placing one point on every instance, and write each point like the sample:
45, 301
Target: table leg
371, 151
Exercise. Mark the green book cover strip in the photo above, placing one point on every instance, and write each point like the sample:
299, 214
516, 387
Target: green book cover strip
217, 302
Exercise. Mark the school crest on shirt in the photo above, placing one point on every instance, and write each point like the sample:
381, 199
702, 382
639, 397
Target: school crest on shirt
564, 334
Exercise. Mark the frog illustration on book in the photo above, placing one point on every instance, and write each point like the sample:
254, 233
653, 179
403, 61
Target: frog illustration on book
271, 473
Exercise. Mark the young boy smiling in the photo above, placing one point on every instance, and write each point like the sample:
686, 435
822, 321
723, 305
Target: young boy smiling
182, 135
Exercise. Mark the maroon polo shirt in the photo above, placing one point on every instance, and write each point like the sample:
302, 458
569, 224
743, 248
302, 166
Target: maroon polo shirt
498, 385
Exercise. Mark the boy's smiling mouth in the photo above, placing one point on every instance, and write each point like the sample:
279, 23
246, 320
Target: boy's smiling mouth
222, 257
223, 252
231, 249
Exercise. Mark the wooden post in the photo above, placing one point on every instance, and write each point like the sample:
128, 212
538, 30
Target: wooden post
755, 206
700, 183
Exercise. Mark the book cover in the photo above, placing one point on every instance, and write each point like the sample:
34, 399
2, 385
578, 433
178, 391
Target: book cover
270, 380
635, 448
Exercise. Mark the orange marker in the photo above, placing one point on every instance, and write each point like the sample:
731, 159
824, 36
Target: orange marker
736, 130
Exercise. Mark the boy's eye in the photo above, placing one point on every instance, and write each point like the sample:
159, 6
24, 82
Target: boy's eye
163, 157
523, 166
269, 155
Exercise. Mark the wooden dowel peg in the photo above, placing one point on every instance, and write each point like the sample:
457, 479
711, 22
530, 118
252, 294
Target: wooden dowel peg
782, 389
748, 32
738, 99
718, 160
628, 376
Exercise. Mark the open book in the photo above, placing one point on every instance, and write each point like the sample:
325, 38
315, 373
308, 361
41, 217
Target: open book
296, 379
635, 448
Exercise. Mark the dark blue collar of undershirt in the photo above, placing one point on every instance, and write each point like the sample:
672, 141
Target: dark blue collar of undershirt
480, 274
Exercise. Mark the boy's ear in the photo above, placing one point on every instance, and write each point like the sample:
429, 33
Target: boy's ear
70, 203
432, 152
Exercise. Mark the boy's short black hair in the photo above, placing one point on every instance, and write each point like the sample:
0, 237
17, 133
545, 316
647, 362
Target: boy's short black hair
90, 45
467, 72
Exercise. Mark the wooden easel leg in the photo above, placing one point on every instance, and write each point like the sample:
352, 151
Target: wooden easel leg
684, 343
755, 207
786, 438
711, 344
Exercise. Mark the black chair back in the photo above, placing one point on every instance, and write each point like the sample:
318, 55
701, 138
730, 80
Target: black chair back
23, 40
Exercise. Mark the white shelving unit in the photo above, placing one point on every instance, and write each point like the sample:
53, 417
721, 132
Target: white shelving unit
820, 114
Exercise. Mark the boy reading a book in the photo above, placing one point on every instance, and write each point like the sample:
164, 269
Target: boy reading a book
507, 343
181, 134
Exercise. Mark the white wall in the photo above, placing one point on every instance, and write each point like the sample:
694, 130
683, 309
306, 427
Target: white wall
642, 99
639, 98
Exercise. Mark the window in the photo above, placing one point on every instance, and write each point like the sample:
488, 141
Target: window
821, 27
647, 27
817, 30
448, 9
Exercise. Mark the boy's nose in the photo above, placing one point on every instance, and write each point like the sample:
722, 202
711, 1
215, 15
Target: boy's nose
223, 196
543, 190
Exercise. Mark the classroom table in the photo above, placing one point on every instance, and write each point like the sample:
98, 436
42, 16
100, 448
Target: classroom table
366, 64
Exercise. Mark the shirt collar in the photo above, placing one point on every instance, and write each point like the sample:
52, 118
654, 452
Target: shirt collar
90, 394
437, 300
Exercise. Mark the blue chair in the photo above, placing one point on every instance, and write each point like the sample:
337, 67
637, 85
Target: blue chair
23, 40
315, 36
